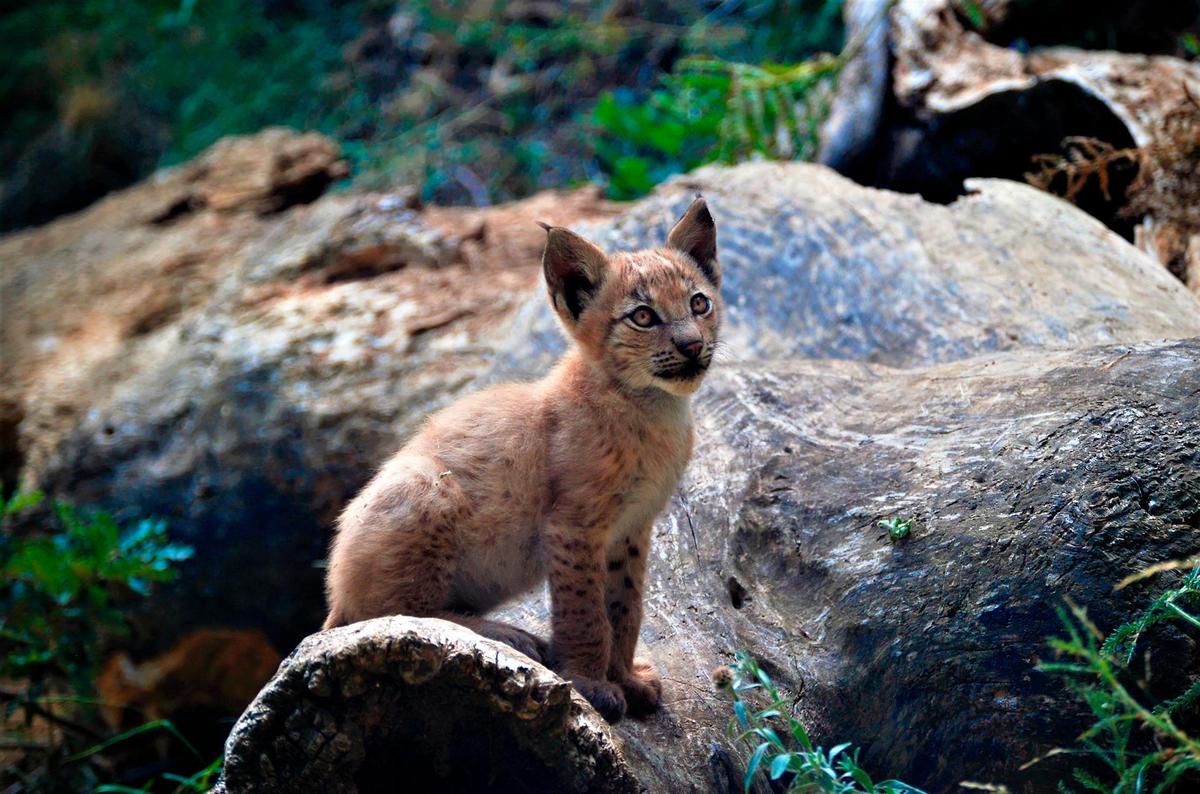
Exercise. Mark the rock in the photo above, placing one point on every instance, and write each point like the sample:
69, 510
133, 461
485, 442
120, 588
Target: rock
816, 266
241, 374
1031, 474
267, 172
993, 367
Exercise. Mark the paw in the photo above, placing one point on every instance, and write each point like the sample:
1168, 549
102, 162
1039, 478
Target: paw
642, 687
605, 696
529, 644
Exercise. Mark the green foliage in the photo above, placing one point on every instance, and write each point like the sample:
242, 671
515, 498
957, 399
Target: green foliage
473, 100
790, 756
201, 781
1190, 43
974, 13
711, 110
897, 528
61, 590
196, 70
533, 134
198, 783
61, 595
1137, 740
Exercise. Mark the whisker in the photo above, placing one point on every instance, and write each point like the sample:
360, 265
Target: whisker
723, 353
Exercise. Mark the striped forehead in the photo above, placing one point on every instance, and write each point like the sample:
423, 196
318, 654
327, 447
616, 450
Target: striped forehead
657, 275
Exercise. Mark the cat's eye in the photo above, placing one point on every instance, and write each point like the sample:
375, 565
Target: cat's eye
643, 317
700, 304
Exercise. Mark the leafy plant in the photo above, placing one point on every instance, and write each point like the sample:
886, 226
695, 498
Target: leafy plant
1190, 43
791, 756
200, 69
199, 783
1138, 740
897, 528
533, 135
710, 109
473, 101
61, 595
973, 12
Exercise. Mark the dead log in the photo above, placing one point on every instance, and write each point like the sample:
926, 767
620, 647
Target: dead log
423, 705
968, 103
1032, 475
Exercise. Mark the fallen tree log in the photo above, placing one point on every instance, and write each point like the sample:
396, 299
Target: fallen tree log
969, 99
817, 267
425, 703
1032, 475
304, 347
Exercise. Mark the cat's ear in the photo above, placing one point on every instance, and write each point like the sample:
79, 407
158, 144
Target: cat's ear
696, 235
574, 269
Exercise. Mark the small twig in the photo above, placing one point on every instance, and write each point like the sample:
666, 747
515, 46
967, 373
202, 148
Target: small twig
1109, 365
432, 323
34, 708
21, 744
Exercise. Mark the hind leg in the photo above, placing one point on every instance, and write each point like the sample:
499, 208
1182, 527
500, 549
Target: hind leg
397, 553
396, 550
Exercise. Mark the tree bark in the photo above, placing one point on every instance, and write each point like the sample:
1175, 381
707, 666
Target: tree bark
1031, 475
965, 103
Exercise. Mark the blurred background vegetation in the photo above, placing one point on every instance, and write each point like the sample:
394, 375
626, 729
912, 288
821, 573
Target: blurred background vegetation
475, 101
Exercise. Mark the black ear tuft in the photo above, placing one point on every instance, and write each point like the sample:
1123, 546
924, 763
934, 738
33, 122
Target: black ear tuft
696, 235
574, 270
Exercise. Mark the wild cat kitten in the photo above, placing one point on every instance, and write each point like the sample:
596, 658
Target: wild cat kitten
560, 478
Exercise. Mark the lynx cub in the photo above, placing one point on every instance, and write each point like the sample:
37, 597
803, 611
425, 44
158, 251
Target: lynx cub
561, 478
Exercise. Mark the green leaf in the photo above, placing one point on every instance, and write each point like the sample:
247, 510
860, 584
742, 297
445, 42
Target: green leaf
1090, 781
861, 777
975, 13
800, 734
771, 736
779, 765
23, 501
752, 766
739, 710
148, 727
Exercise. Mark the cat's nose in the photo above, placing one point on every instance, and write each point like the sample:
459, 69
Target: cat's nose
691, 348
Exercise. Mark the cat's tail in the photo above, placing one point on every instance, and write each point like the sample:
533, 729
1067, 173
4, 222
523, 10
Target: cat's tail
334, 620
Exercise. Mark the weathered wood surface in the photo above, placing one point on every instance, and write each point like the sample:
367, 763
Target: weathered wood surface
965, 104
1032, 475
405, 704
817, 266
243, 376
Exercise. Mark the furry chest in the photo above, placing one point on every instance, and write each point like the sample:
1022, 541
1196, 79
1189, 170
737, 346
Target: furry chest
647, 491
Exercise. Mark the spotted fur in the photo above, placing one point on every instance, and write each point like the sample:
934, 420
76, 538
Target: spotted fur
560, 479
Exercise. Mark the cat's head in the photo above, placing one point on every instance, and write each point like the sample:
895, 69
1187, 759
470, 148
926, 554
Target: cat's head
651, 318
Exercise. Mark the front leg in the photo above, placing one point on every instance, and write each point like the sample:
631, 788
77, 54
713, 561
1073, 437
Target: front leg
581, 641
623, 594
